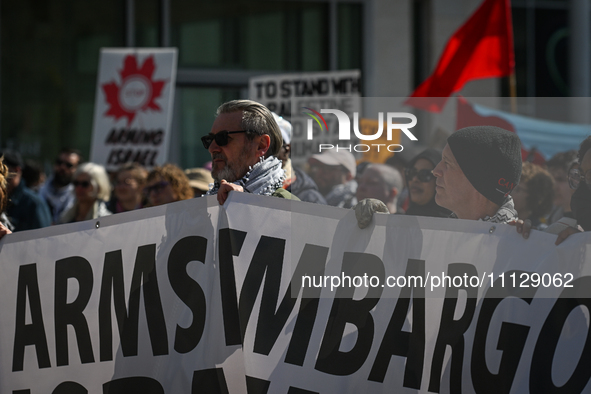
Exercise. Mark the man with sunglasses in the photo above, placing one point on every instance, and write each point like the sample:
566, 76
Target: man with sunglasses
243, 143
58, 191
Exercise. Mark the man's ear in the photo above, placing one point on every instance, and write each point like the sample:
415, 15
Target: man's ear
287, 148
263, 144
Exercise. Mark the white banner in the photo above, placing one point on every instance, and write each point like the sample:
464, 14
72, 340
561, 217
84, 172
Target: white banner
133, 106
192, 297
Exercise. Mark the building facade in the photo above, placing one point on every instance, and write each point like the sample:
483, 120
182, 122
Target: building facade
50, 50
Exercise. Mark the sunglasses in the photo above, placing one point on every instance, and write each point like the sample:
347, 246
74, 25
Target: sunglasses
157, 187
59, 163
221, 138
423, 175
83, 184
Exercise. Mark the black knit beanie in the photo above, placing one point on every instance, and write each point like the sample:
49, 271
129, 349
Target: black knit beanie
490, 157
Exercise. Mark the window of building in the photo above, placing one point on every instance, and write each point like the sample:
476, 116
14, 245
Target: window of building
50, 53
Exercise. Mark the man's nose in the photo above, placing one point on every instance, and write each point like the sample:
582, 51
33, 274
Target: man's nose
437, 170
213, 147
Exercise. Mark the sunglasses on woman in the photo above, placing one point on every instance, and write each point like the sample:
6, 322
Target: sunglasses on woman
220, 138
423, 175
83, 184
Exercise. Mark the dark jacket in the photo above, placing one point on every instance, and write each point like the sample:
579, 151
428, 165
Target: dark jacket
305, 188
27, 210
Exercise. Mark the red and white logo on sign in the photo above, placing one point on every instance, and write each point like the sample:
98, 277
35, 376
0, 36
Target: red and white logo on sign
137, 91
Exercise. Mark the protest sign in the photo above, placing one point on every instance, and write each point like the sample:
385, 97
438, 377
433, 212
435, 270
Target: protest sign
289, 95
193, 297
133, 106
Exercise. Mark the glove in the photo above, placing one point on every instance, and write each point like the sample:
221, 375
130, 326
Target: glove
365, 209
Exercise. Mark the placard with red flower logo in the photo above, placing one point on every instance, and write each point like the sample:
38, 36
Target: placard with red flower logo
133, 107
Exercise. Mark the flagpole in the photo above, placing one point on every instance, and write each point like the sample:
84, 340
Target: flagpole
513, 91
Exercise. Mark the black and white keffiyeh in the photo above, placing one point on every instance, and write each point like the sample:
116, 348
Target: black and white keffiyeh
505, 214
263, 178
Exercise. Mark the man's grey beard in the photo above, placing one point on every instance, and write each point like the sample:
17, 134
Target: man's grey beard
226, 173
232, 171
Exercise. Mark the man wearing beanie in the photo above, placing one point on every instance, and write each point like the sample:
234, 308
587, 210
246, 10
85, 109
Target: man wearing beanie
479, 168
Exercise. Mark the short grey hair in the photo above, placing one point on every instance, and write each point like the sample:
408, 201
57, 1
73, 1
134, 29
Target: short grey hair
390, 175
256, 117
98, 178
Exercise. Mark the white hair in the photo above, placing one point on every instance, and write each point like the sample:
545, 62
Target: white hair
98, 178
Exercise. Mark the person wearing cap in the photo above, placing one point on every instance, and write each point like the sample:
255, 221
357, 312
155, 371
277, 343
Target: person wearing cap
381, 182
296, 181
26, 210
243, 143
199, 180
480, 167
334, 173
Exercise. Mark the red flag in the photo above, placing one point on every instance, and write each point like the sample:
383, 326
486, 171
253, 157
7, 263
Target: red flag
481, 48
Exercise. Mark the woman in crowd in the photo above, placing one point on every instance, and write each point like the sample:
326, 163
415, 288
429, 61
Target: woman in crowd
579, 179
534, 195
559, 166
421, 185
130, 181
167, 184
4, 222
199, 180
91, 190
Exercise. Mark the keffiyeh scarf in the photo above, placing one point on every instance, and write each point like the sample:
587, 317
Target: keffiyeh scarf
263, 178
505, 214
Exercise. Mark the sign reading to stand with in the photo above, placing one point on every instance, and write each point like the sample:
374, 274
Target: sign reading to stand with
133, 107
282, 93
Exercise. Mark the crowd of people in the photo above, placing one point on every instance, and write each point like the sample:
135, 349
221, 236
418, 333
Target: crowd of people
78, 190
479, 175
